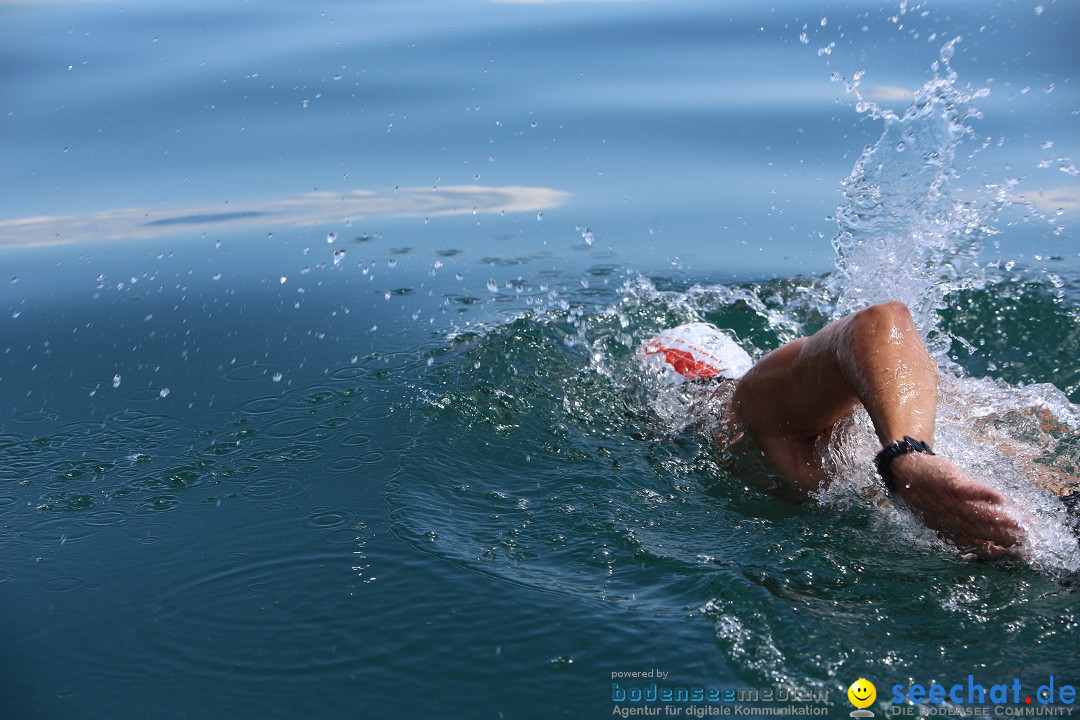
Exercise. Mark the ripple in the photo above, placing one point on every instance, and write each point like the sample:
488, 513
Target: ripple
161, 503
348, 372
254, 372
295, 428
300, 452
105, 517
342, 536
273, 488
81, 428
36, 416
355, 462
375, 411
142, 395
264, 405
240, 599
60, 585
140, 420
318, 395
326, 518
357, 439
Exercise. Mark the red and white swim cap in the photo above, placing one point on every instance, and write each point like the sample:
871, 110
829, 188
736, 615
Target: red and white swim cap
696, 351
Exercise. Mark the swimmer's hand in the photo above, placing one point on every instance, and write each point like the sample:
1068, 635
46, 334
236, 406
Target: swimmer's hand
969, 513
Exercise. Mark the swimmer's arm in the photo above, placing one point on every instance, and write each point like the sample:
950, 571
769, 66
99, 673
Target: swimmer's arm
796, 394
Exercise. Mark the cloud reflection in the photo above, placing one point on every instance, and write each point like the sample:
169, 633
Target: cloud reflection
1064, 198
299, 210
887, 93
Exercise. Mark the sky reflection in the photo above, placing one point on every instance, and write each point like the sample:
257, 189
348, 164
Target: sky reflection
307, 209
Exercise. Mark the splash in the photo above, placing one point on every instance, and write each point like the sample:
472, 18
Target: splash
908, 229
911, 229
558, 379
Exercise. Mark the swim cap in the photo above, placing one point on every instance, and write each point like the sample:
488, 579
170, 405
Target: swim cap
695, 351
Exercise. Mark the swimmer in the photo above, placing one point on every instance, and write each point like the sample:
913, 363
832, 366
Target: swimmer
787, 408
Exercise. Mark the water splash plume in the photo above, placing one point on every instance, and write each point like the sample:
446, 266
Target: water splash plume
908, 229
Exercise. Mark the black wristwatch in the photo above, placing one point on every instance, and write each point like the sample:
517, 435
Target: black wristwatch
894, 450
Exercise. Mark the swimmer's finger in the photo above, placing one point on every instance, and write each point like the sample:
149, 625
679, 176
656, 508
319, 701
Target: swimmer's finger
979, 520
985, 550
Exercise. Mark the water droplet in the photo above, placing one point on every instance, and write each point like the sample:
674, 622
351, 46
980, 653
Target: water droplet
277, 377
283, 279
217, 276
164, 392
492, 286
116, 381
587, 236
804, 38
1039, 9
539, 216
331, 237
16, 314
14, 280
339, 255
392, 262
901, 147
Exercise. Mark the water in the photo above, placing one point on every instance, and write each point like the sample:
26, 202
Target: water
318, 328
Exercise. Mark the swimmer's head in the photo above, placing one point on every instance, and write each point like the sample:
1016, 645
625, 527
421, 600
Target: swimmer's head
696, 351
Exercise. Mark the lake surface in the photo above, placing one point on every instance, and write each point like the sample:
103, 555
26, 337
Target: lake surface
317, 337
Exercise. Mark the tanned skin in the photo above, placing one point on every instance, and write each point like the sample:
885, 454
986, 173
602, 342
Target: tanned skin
797, 396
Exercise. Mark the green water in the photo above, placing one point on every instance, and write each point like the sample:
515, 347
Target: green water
482, 510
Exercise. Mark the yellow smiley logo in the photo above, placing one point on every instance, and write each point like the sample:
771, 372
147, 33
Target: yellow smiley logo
862, 693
